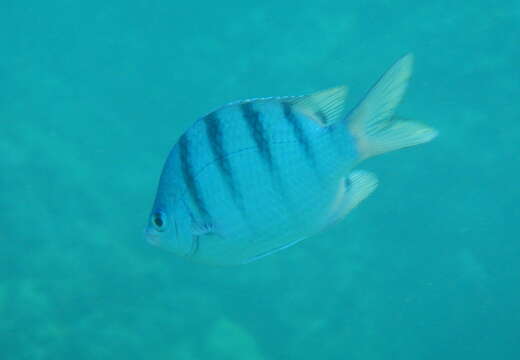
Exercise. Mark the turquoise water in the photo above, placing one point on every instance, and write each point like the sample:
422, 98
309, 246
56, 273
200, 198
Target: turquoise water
95, 93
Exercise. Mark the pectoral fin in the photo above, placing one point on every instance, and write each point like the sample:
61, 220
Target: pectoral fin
358, 186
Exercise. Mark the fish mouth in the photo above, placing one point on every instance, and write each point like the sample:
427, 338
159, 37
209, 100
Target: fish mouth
152, 238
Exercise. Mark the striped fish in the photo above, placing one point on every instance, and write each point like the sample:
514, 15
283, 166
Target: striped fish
259, 175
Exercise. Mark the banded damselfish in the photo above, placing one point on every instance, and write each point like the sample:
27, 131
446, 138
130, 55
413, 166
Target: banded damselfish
259, 175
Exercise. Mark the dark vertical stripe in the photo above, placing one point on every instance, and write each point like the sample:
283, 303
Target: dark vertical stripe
257, 131
298, 132
189, 179
216, 141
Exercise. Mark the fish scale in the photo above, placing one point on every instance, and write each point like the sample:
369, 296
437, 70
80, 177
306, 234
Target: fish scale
256, 176
265, 206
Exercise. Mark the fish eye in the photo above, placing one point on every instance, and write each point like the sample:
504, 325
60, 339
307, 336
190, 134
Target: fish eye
158, 221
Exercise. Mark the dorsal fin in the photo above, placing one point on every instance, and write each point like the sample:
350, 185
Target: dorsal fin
324, 107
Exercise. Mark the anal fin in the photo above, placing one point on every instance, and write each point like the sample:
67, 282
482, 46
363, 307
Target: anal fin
272, 251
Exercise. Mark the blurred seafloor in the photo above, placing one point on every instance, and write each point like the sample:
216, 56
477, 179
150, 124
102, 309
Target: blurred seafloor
93, 95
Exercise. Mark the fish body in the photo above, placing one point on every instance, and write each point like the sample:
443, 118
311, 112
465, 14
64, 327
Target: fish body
256, 176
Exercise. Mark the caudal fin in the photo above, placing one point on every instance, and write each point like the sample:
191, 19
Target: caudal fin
372, 122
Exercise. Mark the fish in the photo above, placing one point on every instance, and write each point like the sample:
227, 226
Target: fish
257, 176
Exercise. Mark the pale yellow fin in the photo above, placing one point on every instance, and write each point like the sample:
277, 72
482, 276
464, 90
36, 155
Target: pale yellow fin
372, 122
324, 107
359, 185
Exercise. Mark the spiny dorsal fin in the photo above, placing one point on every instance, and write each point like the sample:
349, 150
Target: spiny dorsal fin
324, 107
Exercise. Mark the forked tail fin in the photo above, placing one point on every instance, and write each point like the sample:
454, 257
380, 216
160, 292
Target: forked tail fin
372, 122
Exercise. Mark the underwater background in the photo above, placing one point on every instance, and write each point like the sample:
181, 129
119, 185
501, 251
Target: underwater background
94, 94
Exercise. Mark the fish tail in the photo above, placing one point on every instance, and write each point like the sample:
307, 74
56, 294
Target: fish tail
372, 123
